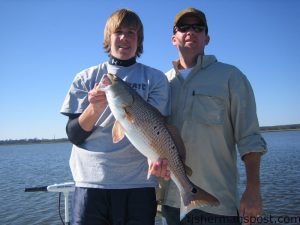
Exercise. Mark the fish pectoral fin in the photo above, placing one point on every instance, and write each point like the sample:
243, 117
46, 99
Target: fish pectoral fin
129, 116
117, 132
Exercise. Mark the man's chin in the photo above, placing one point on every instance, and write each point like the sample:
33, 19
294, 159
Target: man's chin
190, 43
191, 46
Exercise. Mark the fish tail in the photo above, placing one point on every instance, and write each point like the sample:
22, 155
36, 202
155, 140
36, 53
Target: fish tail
195, 198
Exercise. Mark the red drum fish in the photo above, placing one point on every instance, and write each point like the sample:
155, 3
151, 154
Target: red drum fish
146, 129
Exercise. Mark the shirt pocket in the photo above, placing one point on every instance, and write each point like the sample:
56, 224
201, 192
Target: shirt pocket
208, 108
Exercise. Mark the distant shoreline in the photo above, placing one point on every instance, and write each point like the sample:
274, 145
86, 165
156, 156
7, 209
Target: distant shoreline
292, 127
32, 141
280, 128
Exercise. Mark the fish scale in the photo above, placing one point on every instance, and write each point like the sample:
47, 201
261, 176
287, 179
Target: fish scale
157, 135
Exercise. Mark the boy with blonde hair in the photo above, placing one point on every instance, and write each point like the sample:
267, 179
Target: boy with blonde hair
111, 179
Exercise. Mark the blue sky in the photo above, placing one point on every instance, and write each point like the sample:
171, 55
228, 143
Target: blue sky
44, 43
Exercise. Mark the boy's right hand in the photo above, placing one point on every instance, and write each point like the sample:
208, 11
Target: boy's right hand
97, 98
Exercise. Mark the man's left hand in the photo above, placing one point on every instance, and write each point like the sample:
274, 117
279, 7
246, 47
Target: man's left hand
251, 205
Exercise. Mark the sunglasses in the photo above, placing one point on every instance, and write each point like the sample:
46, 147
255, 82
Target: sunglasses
186, 27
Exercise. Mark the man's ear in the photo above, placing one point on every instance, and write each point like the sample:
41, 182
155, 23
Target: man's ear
173, 39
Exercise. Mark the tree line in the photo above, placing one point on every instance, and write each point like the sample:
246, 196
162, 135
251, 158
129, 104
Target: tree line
41, 141
32, 141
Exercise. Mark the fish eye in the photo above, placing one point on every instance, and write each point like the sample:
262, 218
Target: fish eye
115, 77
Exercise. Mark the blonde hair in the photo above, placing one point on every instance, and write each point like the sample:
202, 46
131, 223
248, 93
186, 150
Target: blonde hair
124, 18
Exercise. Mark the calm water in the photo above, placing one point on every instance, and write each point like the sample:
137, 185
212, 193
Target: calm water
45, 164
280, 174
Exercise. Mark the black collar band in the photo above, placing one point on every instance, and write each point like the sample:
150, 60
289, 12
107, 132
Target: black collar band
119, 62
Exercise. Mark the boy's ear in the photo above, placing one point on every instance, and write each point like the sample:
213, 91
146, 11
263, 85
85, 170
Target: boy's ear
207, 39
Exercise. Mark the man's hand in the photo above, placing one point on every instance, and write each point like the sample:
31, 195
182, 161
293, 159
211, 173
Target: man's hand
251, 202
160, 168
250, 205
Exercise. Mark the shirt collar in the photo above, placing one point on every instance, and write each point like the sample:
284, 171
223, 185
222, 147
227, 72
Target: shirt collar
203, 61
118, 62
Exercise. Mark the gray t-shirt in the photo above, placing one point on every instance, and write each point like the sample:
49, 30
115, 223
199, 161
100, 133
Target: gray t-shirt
98, 162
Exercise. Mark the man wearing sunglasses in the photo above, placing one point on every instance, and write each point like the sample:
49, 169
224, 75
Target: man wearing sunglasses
213, 107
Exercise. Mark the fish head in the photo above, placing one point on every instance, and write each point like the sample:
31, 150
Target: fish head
117, 91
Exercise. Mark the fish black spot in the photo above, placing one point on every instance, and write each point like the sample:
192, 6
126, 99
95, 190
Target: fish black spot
157, 133
194, 190
173, 147
155, 127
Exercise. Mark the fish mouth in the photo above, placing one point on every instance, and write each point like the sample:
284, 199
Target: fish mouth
106, 81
